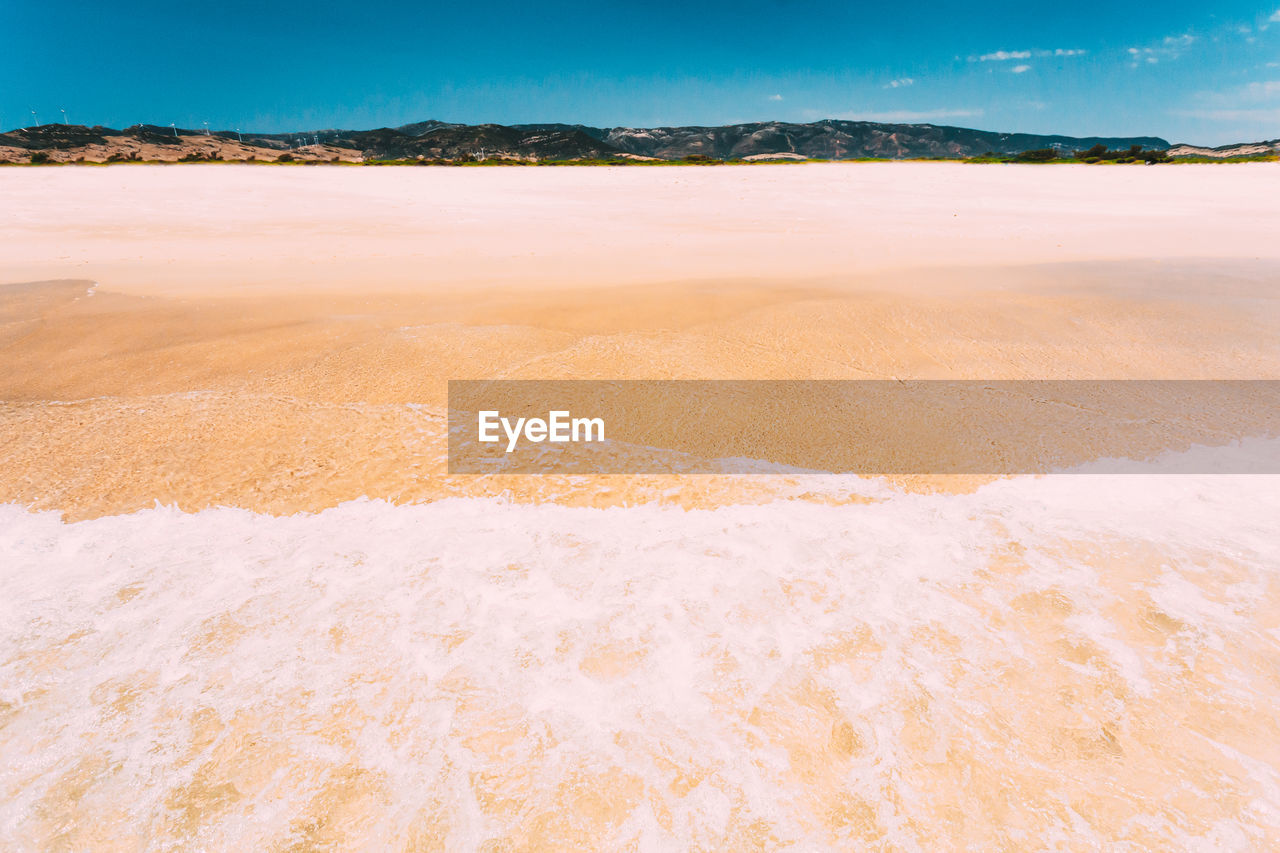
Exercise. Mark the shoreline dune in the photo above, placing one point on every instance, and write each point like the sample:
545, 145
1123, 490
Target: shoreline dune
269, 661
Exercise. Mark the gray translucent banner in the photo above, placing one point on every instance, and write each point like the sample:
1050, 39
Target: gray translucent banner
873, 427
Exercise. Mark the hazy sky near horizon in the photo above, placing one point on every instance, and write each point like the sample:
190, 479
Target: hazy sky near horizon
1187, 71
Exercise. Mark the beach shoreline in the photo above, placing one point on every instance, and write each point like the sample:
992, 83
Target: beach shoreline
249, 608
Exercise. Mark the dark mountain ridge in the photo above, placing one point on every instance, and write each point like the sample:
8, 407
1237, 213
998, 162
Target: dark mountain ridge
831, 139
835, 139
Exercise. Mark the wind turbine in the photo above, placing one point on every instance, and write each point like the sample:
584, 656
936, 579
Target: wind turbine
175, 129
206, 128
64, 115
238, 136
35, 117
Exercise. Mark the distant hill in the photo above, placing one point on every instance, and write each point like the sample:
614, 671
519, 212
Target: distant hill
838, 140
435, 140
1222, 152
61, 143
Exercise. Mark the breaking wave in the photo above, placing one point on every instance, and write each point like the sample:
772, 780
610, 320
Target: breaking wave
1044, 661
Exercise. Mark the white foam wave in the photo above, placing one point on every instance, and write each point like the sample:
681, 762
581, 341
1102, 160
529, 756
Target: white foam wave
1008, 667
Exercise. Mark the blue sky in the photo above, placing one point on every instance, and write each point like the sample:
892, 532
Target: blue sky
1190, 72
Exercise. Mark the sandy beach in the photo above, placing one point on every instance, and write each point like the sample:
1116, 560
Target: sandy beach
249, 609
226, 229
236, 336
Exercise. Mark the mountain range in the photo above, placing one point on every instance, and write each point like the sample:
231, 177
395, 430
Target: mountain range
442, 141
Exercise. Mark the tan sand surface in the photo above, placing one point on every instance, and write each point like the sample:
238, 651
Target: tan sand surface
239, 336
221, 229
1063, 663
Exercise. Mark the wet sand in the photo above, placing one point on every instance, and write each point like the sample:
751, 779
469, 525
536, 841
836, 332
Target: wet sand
646, 662
236, 335
113, 401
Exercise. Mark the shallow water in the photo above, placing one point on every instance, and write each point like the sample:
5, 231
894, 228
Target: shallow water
1066, 661
668, 662
111, 401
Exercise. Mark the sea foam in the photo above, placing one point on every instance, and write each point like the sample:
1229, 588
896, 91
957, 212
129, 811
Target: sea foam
1064, 660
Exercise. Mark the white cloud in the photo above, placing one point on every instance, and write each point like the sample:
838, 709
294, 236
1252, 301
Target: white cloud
1269, 114
909, 116
1020, 69
1257, 92
1006, 55
1255, 105
775, 97
1262, 91
1003, 55
1275, 17
900, 83
1171, 47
